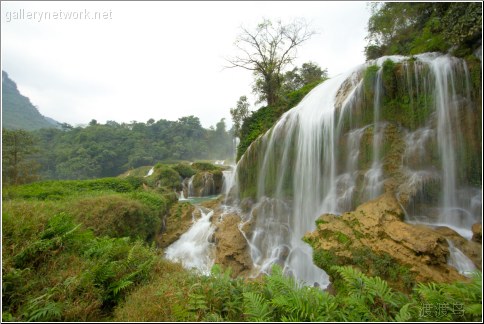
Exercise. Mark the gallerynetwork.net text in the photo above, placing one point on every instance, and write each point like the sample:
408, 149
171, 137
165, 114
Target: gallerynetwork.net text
40, 16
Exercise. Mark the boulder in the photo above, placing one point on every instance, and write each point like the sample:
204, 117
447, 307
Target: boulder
477, 233
175, 223
231, 246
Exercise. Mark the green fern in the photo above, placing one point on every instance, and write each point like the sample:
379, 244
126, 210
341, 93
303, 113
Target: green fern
42, 308
118, 286
404, 315
256, 307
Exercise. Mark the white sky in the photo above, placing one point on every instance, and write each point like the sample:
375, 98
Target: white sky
160, 60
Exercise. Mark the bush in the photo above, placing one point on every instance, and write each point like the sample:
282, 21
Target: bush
184, 170
121, 215
204, 166
164, 176
64, 273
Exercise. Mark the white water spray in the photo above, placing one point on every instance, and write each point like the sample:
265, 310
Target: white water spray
194, 248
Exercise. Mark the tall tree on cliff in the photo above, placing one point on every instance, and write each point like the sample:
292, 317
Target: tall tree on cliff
267, 50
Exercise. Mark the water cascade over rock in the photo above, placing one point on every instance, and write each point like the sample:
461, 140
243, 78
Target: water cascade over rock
194, 249
407, 126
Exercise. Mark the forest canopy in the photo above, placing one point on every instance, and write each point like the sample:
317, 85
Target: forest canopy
106, 150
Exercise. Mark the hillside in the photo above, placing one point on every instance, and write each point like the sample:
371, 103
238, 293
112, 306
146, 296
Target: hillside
17, 110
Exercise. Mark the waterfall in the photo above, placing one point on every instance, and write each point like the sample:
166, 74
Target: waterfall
459, 260
373, 177
182, 196
150, 172
315, 159
194, 248
191, 192
228, 180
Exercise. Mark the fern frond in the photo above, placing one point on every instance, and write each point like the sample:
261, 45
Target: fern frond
119, 286
404, 315
256, 307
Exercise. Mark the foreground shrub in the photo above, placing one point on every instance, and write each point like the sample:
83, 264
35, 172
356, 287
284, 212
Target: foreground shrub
64, 273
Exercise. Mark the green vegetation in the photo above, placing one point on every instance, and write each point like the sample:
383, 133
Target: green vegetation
262, 120
407, 28
277, 297
267, 51
17, 110
107, 150
184, 170
85, 251
18, 166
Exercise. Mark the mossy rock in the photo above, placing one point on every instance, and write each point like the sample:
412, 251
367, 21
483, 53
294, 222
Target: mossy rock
164, 176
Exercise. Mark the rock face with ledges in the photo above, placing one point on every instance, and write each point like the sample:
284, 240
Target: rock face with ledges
378, 225
231, 246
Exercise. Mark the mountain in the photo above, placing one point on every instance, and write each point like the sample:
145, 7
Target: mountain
17, 110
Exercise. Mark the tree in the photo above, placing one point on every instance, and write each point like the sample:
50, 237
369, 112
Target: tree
267, 51
239, 114
311, 72
297, 78
17, 165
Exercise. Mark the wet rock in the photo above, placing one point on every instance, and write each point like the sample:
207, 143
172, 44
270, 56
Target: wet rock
177, 222
377, 227
471, 249
231, 247
246, 204
477, 233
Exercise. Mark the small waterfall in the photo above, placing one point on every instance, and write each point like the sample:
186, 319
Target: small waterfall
182, 196
150, 172
194, 248
459, 260
191, 192
228, 180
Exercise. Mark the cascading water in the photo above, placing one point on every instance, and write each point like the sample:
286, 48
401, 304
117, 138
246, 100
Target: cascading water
228, 180
150, 172
194, 248
373, 177
459, 260
350, 140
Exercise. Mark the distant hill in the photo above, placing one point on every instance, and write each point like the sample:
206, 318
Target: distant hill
17, 110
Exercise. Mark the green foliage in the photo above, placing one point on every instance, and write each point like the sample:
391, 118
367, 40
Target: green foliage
52, 190
411, 28
262, 120
266, 51
367, 298
18, 147
164, 176
134, 215
107, 150
204, 166
64, 273
184, 170
59, 234
239, 114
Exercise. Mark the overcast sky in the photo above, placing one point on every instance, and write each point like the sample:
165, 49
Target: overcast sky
160, 60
